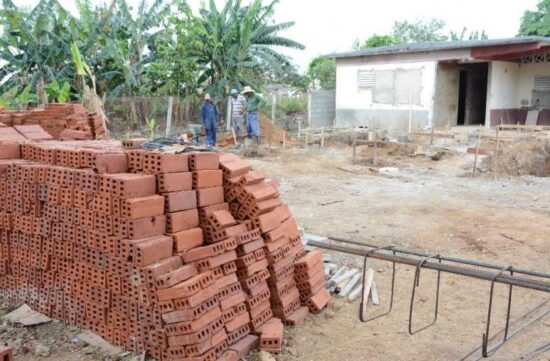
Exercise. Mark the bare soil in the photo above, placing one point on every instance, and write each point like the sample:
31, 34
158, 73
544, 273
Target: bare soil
434, 206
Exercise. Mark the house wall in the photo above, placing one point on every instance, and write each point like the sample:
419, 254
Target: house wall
526, 82
511, 85
445, 110
388, 103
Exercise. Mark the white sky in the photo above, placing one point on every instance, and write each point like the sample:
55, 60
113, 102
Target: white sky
326, 26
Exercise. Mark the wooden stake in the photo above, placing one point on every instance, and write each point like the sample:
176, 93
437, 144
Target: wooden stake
306, 138
354, 151
375, 158
366, 287
432, 135
284, 140
495, 171
477, 152
322, 137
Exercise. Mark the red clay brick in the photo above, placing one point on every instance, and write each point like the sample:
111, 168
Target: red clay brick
174, 182
177, 276
237, 322
200, 161
200, 253
111, 163
221, 219
207, 179
210, 196
318, 301
10, 150
180, 201
182, 221
137, 208
6, 353
154, 163
187, 240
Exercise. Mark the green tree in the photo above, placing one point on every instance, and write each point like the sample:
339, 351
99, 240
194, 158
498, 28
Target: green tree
536, 22
238, 45
322, 73
419, 31
377, 41
464, 35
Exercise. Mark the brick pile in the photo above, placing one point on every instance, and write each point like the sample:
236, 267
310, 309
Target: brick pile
60, 121
185, 256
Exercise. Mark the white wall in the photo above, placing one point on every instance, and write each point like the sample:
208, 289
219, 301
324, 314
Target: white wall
511, 84
527, 80
350, 96
502, 90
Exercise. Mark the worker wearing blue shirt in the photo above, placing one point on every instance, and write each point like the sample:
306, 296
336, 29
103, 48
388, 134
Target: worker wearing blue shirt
209, 118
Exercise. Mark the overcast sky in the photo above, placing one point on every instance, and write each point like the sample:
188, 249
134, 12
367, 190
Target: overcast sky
326, 26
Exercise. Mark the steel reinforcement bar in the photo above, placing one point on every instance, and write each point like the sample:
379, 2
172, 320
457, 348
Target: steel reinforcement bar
540, 281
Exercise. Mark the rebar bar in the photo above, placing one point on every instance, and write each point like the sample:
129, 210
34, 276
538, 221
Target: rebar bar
411, 258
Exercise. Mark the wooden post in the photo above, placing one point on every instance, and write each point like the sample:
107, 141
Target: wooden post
375, 158
322, 137
269, 136
477, 151
284, 140
432, 134
168, 133
354, 150
228, 114
299, 129
306, 138
495, 171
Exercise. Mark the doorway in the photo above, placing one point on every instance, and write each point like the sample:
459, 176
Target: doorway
472, 93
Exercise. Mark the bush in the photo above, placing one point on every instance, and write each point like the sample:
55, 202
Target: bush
293, 105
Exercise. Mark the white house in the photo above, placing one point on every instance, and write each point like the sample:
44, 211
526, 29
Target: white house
444, 83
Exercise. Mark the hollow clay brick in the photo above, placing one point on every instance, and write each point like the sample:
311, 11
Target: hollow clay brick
111, 163
210, 196
174, 182
187, 240
180, 201
221, 219
143, 207
207, 179
204, 161
182, 221
318, 301
177, 276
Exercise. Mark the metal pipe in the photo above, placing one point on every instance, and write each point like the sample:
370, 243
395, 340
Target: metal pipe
462, 271
446, 258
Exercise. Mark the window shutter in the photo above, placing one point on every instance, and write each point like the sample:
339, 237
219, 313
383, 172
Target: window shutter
366, 79
542, 83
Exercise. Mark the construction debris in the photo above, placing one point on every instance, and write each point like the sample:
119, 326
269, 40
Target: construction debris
26, 316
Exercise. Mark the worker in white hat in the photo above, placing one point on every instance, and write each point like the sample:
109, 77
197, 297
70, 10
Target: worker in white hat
238, 107
209, 119
253, 103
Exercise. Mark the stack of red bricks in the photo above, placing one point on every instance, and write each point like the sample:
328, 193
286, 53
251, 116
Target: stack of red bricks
142, 248
253, 199
61, 121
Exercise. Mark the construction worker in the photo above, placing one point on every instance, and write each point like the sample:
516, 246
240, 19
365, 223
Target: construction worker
253, 103
238, 107
209, 118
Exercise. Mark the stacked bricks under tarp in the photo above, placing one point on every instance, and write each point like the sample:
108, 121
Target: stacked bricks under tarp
61, 121
142, 247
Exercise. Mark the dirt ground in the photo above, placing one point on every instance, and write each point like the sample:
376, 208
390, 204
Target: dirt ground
434, 206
